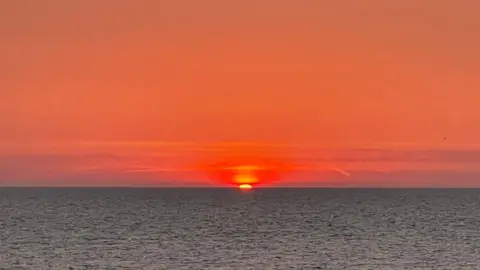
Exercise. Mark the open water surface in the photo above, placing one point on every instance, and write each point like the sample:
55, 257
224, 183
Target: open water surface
109, 228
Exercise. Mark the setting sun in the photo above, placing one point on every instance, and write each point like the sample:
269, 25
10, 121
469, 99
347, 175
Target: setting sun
245, 179
245, 186
242, 169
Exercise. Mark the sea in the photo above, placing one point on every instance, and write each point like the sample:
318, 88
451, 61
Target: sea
220, 228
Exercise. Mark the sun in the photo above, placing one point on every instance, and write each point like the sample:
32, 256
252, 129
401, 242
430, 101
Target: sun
245, 178
245, 186
245, 170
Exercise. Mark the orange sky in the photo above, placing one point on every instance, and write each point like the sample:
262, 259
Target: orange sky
343, 73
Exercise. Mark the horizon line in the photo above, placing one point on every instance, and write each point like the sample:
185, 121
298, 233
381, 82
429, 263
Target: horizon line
236, 188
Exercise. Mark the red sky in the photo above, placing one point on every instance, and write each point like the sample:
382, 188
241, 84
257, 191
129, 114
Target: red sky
107, 82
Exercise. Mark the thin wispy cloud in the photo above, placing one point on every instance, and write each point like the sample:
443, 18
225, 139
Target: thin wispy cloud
343, 172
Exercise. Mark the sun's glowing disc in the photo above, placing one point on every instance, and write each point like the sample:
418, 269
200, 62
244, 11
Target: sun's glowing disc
245, 179
245, 166
245, 186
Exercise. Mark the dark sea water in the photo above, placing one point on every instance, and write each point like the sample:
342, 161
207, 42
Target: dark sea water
230, 229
